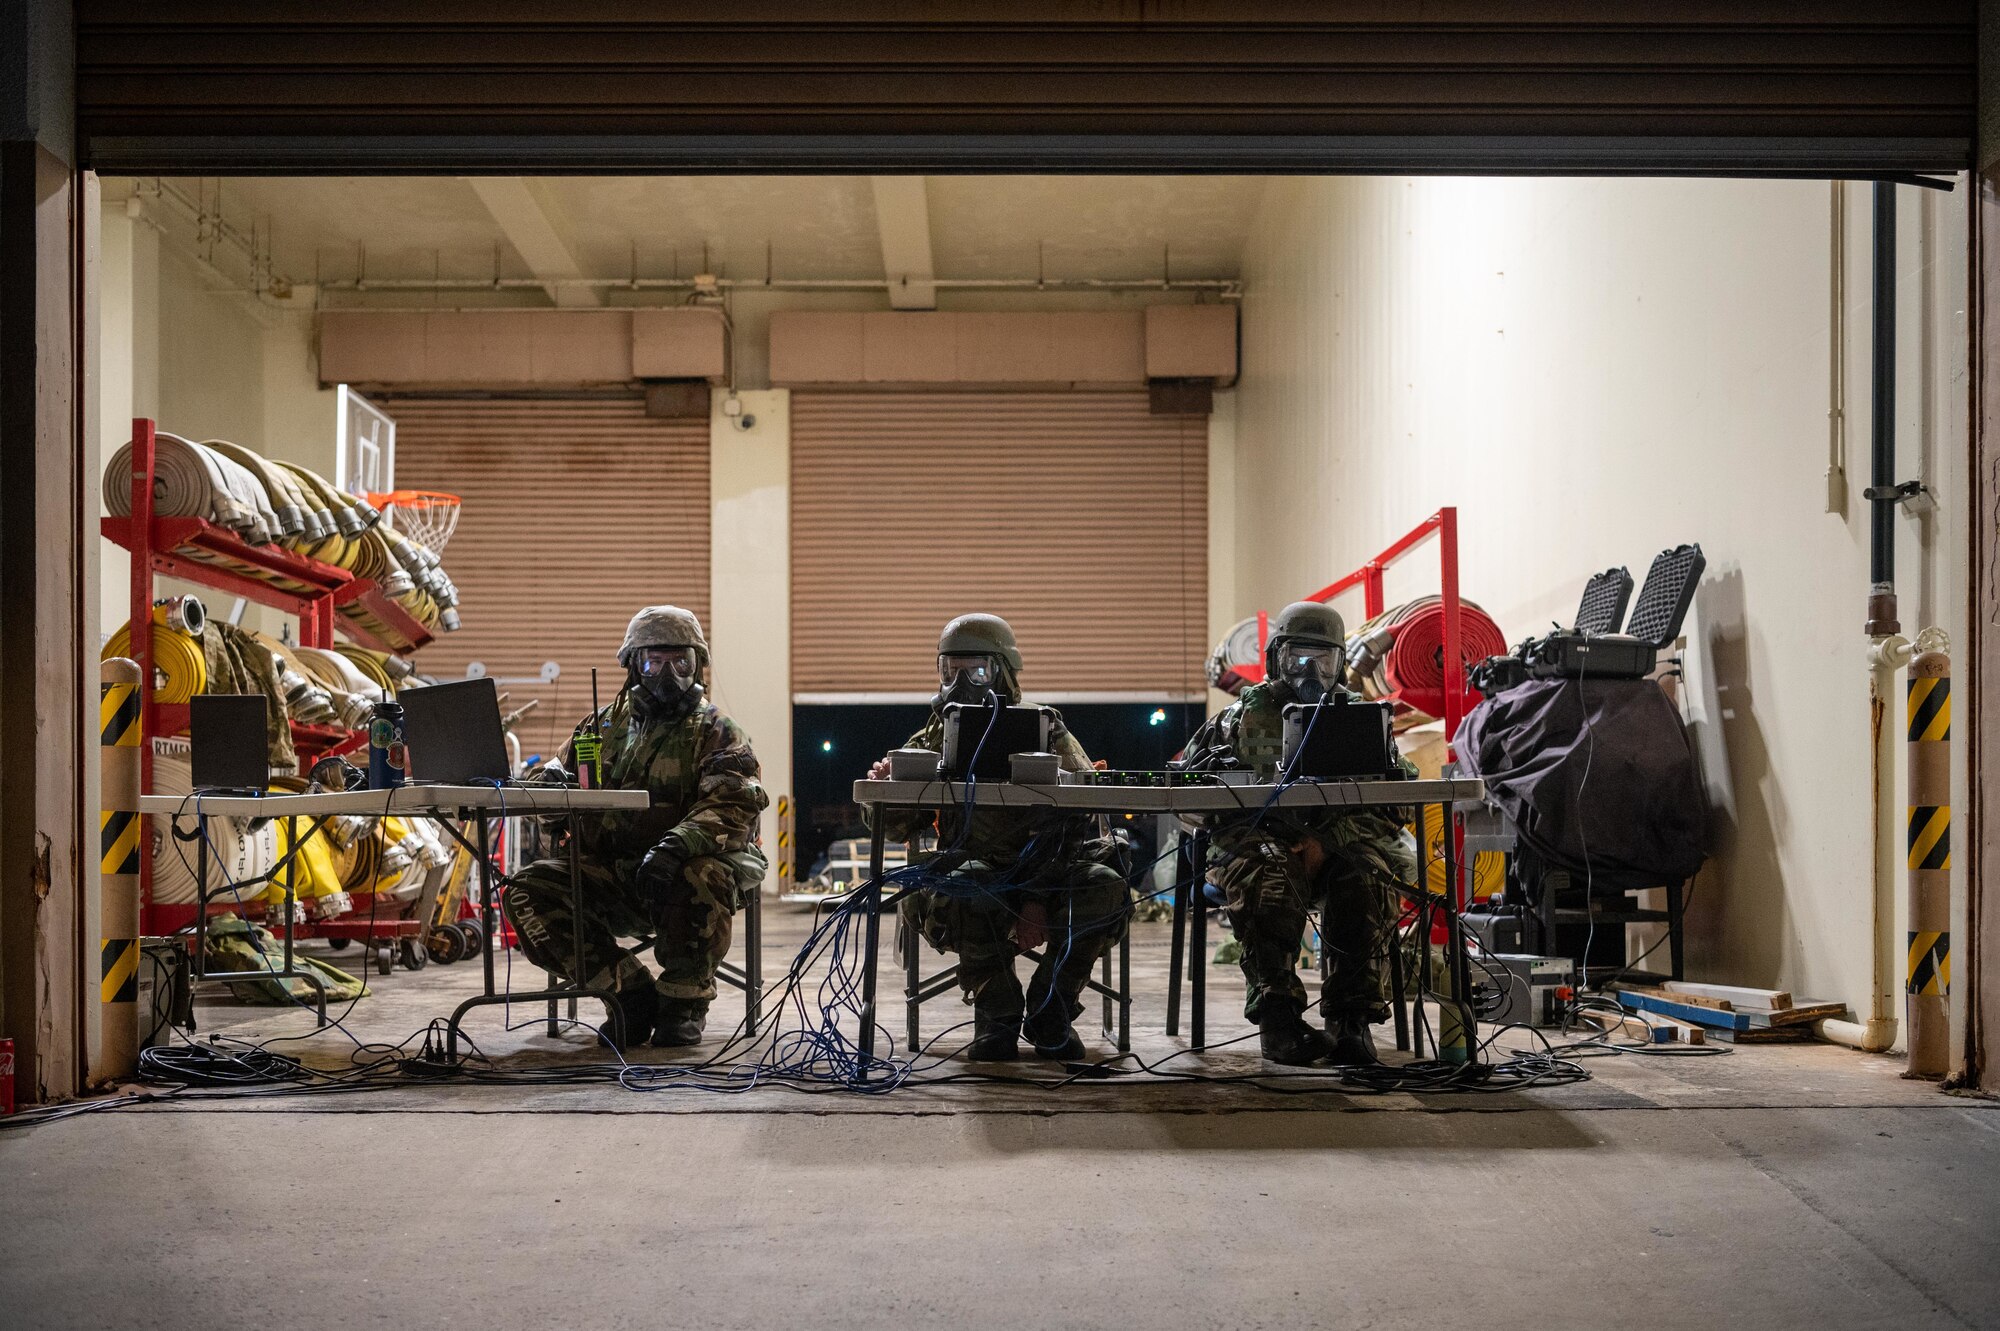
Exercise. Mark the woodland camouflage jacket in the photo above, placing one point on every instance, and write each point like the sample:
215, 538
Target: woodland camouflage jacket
1252, 729
997, 836
703, 777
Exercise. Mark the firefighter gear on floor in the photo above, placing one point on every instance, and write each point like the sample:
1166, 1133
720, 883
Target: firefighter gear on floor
678, 870
1012, 872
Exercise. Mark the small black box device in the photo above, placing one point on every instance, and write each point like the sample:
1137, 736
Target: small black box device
972, 729
229, 742
1342, 738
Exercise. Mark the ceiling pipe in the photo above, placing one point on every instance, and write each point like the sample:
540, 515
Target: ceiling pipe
1227, 286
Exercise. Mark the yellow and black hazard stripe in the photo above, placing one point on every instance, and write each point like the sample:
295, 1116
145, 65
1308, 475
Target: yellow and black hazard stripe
1930, 963
1929, 709
119, 964
784, 840
118, 715
1930, 836
118, 727
118, 836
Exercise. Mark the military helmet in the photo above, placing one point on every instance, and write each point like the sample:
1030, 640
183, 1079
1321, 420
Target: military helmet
663, 626
1303, 621
989, 635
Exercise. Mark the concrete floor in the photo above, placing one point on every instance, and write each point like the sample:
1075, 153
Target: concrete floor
1772, 1187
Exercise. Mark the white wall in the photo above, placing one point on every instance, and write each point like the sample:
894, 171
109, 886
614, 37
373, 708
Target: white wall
750, 584
1593, 371
205, 362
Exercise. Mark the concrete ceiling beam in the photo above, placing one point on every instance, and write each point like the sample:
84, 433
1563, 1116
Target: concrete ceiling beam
534, 225
903, 217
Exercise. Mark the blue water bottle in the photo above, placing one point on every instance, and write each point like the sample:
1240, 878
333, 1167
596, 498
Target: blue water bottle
388, 760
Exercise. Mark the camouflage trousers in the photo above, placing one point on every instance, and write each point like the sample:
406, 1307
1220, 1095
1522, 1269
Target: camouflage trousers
1086, 905
691, 932
1269, 896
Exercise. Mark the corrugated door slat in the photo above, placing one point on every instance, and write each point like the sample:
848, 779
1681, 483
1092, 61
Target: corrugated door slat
1257, 85
1080, 517
577, 512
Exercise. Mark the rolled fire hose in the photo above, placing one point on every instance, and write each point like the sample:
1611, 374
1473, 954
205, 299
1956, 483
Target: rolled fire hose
192, 481
306, 699
287, 503
235, 849
179, 669
386, 672
1400, 652
262, 499
354, 695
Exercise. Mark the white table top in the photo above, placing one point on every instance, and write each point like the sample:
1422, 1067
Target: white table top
1167, 799
441, 801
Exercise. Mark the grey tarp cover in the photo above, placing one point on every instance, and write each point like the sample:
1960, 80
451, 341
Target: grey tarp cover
1596, 775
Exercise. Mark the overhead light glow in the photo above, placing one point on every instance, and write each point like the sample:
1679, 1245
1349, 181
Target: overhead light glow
826, 746
1158, 718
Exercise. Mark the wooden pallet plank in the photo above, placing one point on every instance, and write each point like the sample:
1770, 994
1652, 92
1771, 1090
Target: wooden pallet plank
1740, 996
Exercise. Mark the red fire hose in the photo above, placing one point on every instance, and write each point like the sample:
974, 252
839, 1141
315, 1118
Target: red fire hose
1414, 666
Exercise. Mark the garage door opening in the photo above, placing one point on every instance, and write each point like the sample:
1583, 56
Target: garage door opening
1128, 414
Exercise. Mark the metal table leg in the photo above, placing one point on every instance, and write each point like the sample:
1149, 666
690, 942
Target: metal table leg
199, 962
1125, 990
572, 990
1459, 960
577, 977
871, 902
753, 941
1399, 1006
1183, 885
1198, 948
486, 921
1104, 978
913, 982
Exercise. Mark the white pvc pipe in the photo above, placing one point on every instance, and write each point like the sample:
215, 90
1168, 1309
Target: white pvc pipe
1878, 1034
1874, 1036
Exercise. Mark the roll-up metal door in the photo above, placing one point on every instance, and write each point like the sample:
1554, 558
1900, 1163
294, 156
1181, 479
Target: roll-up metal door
1080, 517
577, 511
1678, 86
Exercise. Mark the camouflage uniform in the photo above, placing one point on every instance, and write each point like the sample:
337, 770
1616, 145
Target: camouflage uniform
1066, 871
704, 781
1266, 887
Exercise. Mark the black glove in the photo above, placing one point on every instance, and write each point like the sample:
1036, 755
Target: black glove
659, 871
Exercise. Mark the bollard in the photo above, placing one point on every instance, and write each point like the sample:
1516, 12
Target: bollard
1927, 986
784, 843
116, 1053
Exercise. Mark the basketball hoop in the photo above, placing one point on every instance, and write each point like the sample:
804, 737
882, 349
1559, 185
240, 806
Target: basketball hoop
425, 516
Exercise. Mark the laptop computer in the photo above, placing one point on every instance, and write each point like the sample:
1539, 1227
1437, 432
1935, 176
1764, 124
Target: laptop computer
971, 729
1343, 738
230, 743
454, 735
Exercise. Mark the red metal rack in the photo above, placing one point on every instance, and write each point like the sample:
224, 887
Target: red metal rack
1444, 525
1458, 694
196, 550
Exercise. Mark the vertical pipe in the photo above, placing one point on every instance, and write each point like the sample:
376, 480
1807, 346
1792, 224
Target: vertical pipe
1836, 375
1888, 649
116, 1052
1882, 422
1927, 982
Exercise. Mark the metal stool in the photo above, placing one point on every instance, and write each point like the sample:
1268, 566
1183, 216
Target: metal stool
749, 977
919, 989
